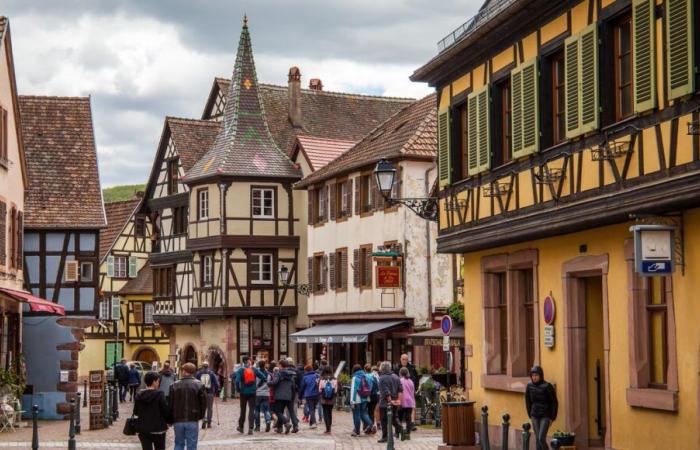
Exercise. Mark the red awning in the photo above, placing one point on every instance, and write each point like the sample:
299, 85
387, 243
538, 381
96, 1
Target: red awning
36, 304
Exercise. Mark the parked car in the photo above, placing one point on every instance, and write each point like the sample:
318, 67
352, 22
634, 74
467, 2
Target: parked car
141, 366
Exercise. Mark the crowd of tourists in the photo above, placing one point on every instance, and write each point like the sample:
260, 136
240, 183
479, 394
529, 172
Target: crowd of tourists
270, 393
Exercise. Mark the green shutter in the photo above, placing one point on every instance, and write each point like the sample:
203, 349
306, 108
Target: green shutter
133, 266
444, 164
483, 129
589, 78
472, 150
571, 86
114, 352
110, 266
525, 109
116, 309
679, 48
644, 54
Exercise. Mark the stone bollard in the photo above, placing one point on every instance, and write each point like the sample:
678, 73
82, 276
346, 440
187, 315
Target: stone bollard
504, 434
526, 436
71, 427
390, 427
35, 427
485, 443
77, 413
85, 396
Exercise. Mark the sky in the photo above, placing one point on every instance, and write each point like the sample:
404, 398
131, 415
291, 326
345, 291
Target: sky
140, 60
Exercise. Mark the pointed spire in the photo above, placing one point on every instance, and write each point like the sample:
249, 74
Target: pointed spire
245, 20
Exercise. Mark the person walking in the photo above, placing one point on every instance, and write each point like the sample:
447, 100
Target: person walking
541, 404
134, 381
408, 402
292, 407
262, 397
310, 393
246, 385
211, 384
389, 391
121, 375
360, 392
413, 375
188, 403
328, 388
167, 378
282, 392
152, 414
374, 396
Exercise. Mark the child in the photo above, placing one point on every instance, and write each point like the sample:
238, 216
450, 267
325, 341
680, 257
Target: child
327, 396
408, 401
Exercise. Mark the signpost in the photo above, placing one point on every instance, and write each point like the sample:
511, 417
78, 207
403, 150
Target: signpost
446, 327
97, 382
549, 311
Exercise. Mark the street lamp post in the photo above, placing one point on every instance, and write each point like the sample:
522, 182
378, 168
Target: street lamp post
424, 207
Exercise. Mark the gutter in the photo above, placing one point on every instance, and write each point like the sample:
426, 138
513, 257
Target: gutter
428, 251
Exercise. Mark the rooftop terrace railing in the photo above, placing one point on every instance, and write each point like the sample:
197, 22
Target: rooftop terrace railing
473, 24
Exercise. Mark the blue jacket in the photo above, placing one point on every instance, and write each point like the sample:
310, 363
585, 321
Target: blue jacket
134, 376
355, 386
246, 389
214, 380
309, 385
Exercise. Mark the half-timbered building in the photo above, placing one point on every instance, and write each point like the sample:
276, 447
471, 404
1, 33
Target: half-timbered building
63, 217
564, 127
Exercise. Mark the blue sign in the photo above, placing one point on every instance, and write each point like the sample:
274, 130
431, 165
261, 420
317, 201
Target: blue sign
446, 325
656, 267
654, 249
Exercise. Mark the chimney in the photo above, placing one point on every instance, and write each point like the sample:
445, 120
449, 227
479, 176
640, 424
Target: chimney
315, 84
294, 94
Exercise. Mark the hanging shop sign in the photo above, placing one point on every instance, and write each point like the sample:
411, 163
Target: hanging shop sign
653, 249
388, 277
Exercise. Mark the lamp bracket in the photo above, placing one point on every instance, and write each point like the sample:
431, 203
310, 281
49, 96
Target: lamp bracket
426, 208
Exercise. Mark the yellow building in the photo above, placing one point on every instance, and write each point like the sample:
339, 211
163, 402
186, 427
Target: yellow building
562, 125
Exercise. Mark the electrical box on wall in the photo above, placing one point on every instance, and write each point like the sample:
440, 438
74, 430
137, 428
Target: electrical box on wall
653, 249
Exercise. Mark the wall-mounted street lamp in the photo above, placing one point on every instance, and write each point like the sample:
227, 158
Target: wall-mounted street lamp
302, 289
426, 208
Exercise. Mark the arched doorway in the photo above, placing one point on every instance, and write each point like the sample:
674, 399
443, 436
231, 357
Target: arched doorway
146, 354
189, 355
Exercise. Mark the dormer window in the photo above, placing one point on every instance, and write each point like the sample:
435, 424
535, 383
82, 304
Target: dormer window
203, 204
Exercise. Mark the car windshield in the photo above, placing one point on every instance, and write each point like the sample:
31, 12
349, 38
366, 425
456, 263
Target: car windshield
146, 366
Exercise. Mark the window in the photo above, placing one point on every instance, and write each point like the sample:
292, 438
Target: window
558, 98
528, 302
366, 193
318, 198
207, 271
364, 266
460, 152
139, 226
622, 36
120, 267
137, 312
318, 274
180, 220
656, 309
502, 139
339, 269
11, 237
86, 271
104, 310
172, 176
261, 268
163, 283
343, 200
263, 203
203, 204
148, 310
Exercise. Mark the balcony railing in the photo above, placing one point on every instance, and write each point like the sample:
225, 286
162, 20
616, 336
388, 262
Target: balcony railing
473, 24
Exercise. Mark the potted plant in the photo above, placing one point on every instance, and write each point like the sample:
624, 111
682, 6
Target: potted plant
564, 437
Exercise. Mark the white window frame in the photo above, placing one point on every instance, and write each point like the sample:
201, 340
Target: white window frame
148, 311
259, 203
207, 271
105, 310
121, 270
257, 263
203, 204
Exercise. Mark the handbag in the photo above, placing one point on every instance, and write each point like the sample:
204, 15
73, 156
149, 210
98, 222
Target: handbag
130, 426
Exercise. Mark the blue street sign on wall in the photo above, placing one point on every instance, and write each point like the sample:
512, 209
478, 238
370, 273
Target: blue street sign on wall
654, 249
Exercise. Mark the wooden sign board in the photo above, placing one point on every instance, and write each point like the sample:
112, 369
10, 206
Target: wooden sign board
97, 387
388, 277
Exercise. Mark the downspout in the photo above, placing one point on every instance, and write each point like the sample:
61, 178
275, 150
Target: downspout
428, 252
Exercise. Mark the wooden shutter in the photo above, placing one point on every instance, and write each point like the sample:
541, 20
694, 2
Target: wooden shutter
310, 203
333, 188
644, 55
444, 163
133, 266
525, 111
20, 240
367, 281
70, 272
110, 266
472, 136
358, 211
331, 271
348, 200
589, 79
343, 269
326, 192
679, 48
3, 233
483, 121
310, 279
571, 86
356, 267
324, 273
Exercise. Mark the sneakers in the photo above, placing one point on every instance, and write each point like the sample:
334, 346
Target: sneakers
239, 429
257, 428
381, 441
250, 432
355, 434
288, 427
204, 424
295, 430
327, 432
267, 427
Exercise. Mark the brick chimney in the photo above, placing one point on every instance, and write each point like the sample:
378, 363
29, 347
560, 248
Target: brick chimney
315, 84
294, 94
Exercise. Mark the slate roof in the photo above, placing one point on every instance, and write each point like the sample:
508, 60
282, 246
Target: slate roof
192, 138
320, 151
118, 214
141, 285
244, 146
64, 183
409, 134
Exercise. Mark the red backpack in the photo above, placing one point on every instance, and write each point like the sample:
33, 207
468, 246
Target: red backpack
248, 375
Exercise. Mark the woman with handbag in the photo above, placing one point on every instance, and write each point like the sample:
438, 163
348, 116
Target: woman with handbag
151, 414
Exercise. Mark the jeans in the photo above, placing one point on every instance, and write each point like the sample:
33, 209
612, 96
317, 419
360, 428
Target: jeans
321, 418
372, 406
278, 407
540, 426
151, 441
327, 416
359, 414
210, 407
291, 409
247, 402
262, 405
132, 391
123, 387
394, 420
186, 433
312, 403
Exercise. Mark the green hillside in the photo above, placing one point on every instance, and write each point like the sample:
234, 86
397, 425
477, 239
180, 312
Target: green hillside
119, 193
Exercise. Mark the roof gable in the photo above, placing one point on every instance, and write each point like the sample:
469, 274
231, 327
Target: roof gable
320, 151
118, 216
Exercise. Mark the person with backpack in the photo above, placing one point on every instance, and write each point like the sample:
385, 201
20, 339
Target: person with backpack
211, 384
328, 388
390, 390
360, 392
245, 380
309, 392
408, 402
262, 396
282, 393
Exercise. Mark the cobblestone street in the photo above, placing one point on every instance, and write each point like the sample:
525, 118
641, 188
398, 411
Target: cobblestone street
54, 434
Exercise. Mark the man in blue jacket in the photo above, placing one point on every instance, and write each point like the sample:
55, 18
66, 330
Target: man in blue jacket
211, 384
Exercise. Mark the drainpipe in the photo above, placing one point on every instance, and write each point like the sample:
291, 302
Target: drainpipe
428, 251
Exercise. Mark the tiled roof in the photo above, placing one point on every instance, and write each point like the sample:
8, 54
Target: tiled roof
64, 183
118, 214
320, 151
325, 114
192, 138
244, 145
142, 284
411, 134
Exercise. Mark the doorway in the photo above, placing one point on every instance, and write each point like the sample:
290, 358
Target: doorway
146, 354
189, 355
595, 375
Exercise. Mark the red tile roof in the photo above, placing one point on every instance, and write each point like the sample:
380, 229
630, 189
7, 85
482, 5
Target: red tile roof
141, 285
320, 151
64, 183
192, 138
409, 134
118, 214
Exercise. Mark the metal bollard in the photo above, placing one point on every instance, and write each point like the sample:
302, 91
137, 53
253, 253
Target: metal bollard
555, 444
110, 394
389, 427
77, 413
71, 428
35, 428
526, 436
105, 408
438, 411
85, 396
504, 435
115, 403
485, 443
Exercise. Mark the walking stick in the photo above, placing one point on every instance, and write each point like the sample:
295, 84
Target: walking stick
216, 408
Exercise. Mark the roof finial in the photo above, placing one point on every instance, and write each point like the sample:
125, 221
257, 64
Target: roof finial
245, 20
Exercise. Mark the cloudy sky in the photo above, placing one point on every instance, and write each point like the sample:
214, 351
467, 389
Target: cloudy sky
141, 60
